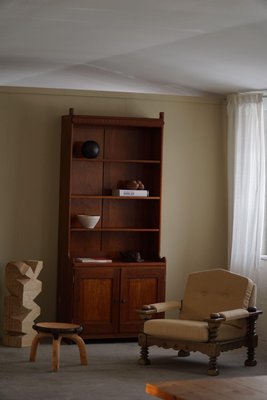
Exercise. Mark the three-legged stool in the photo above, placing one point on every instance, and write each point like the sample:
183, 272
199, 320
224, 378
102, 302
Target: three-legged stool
57, 331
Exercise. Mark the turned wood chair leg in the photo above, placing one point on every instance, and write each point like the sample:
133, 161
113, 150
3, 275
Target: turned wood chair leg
250, 361
144, 360
212, 368
252, 339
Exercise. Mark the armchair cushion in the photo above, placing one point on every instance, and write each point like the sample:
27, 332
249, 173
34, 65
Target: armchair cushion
177, 329
214, 291
185, 330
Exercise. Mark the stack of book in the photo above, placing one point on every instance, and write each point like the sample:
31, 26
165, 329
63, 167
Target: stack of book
128, 192
93, 260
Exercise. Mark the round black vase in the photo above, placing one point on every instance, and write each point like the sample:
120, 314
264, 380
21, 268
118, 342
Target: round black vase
90, 149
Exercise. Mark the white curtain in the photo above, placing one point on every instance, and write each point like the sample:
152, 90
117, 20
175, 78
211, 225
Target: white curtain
246, 175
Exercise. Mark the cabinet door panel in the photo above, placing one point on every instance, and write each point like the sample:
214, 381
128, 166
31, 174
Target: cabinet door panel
96, 299
139, 286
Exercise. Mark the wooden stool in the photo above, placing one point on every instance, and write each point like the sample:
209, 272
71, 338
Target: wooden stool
58, 331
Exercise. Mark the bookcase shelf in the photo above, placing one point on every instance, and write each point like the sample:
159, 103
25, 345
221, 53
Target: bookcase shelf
82, 196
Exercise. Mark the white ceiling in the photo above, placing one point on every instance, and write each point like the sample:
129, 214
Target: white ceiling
187, 47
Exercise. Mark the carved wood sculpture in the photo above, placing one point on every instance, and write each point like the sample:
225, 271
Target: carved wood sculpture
20, 310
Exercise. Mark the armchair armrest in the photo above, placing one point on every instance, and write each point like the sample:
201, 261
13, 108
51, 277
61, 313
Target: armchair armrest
229, 315
238, 313
218, 318
148, 310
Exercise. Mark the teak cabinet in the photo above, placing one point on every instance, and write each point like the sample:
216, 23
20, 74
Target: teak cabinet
104, 296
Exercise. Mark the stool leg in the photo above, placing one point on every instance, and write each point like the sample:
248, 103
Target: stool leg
34, 347
55, 352
82, 348
35, 343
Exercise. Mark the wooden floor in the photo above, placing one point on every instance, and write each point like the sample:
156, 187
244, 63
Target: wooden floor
253, 388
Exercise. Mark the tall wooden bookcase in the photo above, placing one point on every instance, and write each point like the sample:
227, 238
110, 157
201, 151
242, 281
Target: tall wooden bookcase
104, 296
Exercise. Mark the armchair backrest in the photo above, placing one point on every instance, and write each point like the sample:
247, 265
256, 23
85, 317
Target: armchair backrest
216, 290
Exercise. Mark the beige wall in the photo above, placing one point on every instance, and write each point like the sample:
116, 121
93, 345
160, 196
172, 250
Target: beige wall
194, 215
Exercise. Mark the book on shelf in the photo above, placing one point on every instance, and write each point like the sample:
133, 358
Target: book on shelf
127, 192
93, 260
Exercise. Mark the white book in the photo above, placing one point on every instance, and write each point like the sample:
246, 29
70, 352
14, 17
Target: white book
93, 260
127, 192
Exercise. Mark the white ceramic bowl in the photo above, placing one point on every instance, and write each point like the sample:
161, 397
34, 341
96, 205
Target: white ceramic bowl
88, 221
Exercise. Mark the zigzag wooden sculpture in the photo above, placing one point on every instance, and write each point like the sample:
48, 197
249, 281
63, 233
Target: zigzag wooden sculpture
20, 310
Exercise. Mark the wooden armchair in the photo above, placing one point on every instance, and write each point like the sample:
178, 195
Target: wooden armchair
217, 314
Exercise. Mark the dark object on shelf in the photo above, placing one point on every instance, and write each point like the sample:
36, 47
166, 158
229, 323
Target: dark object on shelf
130, 185
131, 256
90, 149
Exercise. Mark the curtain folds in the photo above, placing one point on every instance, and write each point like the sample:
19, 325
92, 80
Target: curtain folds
246, 178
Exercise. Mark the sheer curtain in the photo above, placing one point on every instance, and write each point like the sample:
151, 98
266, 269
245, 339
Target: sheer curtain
246, 174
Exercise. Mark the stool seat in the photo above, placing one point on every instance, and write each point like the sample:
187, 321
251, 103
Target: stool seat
57, 327
58, 330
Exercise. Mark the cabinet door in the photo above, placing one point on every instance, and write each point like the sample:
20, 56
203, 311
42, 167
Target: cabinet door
139, 286
96, 299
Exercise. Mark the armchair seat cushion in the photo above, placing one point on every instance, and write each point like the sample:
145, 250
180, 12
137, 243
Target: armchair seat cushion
186, 330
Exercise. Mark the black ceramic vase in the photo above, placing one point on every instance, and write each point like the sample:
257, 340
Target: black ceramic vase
90, 149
